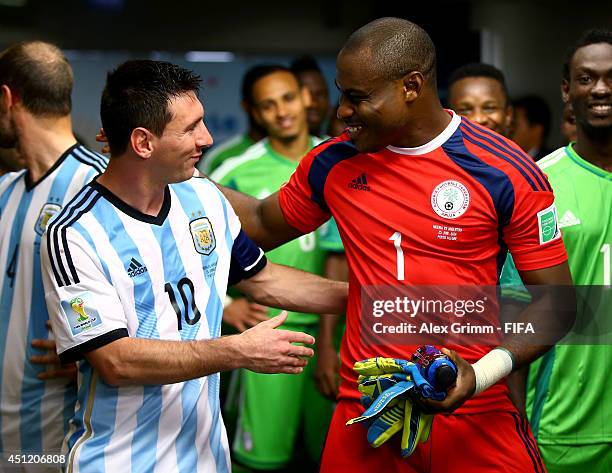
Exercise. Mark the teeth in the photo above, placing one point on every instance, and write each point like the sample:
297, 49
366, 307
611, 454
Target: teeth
354, 129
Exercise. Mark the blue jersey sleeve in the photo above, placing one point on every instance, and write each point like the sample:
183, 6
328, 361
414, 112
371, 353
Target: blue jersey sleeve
247, 259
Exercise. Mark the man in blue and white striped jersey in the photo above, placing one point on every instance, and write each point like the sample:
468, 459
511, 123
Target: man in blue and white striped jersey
36, 398
135, 270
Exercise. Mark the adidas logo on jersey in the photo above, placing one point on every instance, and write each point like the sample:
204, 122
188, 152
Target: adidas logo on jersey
136, 268
360, 183
568, 220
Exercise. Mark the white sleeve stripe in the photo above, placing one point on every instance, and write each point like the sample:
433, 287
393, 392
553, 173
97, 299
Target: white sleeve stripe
261, 254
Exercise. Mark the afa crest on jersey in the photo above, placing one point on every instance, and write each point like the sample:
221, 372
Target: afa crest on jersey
203, 236
46, 212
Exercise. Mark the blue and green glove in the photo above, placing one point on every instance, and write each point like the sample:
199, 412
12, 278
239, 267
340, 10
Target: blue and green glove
386, 385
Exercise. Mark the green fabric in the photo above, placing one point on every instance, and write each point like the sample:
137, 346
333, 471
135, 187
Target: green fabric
512, 286
233, 147
575, 406
272, 409
595, 458
259, 172
329, 237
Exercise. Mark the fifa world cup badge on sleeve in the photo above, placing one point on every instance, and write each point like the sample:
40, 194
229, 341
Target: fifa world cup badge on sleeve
81, 314
203, 235
548, 224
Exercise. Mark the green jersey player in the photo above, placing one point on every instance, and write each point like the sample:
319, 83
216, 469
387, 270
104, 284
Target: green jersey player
569, 395
266, 432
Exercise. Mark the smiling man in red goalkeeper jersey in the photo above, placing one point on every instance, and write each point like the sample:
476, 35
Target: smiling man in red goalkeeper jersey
382, 181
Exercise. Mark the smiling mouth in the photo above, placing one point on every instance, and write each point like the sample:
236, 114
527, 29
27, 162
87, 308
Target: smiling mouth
601, 108
354, 130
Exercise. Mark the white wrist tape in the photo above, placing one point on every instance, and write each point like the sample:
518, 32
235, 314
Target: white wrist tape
492, 367
227, 301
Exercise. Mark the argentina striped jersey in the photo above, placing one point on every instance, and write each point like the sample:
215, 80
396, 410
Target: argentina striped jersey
113, 272
33, 413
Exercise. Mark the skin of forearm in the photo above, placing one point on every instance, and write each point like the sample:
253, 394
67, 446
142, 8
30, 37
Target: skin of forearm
295, 290
337, 270
552, 313
134, 361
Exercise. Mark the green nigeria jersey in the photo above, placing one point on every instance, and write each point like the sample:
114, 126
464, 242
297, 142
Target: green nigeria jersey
215, 157
259, 172
570, 387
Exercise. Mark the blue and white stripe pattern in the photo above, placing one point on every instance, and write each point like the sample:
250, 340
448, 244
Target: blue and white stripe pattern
161, 277
33, 414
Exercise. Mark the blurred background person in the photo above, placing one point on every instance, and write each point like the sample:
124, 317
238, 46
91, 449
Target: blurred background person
238, 144
310, 76
568, 124
531, 125
37, 393
478, 91
275, 411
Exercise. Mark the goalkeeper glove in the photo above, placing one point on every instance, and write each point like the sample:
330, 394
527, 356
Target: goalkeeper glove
379, 365
417, 427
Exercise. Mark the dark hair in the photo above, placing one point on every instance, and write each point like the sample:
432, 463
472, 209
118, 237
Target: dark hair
479, 69
537, 111
593, 36
254, 74
40, 76
305, 63
397, 47
137, 95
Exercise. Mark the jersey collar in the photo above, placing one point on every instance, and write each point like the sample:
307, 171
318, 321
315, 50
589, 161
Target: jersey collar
571, 152
29, 184
131, 211
433, 144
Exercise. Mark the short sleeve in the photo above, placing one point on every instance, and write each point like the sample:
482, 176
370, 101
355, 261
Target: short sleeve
303, 207
84, 307
247, 259
533, 235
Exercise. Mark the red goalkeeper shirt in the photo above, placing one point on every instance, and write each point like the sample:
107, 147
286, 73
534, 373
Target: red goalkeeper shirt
449, 210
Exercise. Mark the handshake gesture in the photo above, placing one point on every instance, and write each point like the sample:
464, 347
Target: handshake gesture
391, 389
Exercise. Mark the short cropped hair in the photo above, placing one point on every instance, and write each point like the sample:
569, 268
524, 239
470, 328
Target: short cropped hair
40, 76
479, 69
397, 47
137, 94
593, 36
254, 74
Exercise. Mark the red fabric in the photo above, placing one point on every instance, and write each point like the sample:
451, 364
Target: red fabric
475, 443
398, 198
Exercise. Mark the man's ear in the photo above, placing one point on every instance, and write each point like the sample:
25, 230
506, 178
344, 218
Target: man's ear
141, 140
565, 91
7, 98
413, 85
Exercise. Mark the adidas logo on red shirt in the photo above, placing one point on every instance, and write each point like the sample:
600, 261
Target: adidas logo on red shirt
360, 183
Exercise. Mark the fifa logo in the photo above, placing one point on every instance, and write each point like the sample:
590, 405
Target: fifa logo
78, 305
